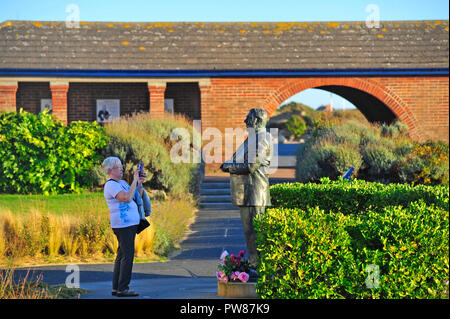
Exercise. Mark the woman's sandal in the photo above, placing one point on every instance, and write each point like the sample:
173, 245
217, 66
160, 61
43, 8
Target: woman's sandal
127, 293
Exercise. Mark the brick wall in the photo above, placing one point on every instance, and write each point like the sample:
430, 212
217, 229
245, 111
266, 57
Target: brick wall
59, 100
134, 97
8, 97
420, 102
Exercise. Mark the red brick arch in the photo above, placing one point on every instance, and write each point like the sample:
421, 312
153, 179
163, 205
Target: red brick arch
388, 97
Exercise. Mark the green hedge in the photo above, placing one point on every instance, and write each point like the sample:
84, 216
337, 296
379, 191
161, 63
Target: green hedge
355, 197
318, 252
38, 154
303, 254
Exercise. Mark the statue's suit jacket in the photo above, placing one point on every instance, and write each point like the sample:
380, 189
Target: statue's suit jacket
249, 171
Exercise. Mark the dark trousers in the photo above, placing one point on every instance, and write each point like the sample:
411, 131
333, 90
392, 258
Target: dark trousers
248, 213
123, 265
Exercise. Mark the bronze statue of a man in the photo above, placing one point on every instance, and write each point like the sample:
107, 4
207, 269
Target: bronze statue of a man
249, 176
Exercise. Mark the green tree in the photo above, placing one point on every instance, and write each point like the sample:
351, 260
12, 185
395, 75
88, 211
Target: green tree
296, 125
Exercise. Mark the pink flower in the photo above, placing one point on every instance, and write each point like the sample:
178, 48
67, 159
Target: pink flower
242, 253
235, 275
243, 276
221, 276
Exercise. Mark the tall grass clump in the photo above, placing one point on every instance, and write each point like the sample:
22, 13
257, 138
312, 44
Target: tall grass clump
171, 220
12, 287
48, 237
21, 289
43, 236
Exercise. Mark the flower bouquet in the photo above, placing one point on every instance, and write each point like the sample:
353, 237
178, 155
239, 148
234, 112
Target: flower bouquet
233, 268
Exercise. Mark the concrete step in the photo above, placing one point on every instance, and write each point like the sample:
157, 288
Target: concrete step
214, 191
218, 206
215, 198
215, 185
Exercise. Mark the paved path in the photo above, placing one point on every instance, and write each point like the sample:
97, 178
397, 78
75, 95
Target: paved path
189, 272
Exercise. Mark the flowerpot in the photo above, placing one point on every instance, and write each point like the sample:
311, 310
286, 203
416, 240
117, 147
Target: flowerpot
236, 289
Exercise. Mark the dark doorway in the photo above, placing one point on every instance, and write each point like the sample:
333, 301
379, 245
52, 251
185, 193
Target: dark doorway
186, 99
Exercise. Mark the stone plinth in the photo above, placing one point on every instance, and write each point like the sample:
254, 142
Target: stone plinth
237, 289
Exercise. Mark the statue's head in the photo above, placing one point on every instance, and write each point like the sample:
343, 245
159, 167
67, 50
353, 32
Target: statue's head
256, 119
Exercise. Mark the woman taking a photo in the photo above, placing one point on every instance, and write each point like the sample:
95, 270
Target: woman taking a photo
124, 218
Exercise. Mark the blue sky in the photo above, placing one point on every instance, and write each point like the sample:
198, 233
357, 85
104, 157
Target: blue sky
230, 10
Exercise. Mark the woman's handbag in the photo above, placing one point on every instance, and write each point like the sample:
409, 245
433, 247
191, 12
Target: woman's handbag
143, 224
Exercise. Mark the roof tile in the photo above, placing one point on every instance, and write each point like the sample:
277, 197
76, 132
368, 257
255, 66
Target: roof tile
224, 45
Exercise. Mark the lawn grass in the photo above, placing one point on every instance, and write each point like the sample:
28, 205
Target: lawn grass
92, 203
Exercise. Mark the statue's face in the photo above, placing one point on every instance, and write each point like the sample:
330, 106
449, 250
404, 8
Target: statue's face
250, 120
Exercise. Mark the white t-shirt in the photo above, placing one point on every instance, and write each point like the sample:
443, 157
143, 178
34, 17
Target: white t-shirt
122, 214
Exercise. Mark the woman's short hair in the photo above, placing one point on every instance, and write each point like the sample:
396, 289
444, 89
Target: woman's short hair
110, 163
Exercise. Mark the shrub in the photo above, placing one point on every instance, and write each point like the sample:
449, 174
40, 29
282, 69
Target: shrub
320, 121
427, 163
319, 240
380, 160
403, 147
296, 125
413, 250
328, 159
349, 133
40, 155
346, 157
141, 138
386, 154
318, 254
394, 130
331, 152
356, 196
162, 244
303, 254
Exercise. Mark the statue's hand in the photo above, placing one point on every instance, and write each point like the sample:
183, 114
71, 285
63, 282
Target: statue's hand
225, 167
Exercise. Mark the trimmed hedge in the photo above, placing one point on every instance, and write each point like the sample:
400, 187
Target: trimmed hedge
303, 254
355, 197
319, 251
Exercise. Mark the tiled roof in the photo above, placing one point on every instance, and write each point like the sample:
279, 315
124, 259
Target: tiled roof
223, 46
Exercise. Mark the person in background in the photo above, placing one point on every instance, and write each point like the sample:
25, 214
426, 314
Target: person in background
124, 219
